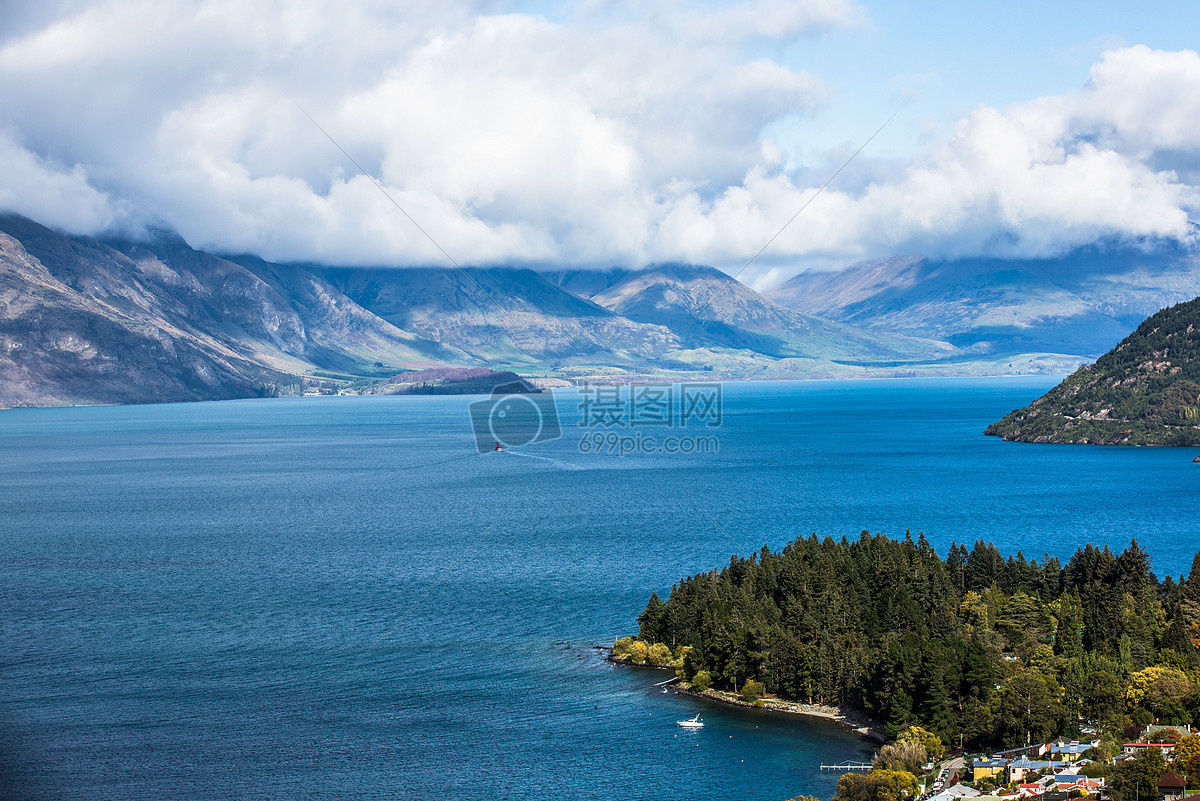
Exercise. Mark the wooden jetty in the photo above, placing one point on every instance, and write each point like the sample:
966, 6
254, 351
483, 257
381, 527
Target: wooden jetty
847, 767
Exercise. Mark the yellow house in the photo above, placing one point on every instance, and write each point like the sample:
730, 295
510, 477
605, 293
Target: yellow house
981, 768
1068, 752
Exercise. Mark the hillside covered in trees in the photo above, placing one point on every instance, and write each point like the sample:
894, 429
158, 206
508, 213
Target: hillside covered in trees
1145, 391
980, 649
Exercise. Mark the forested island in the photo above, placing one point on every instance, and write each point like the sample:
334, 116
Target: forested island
452, 381
980, 649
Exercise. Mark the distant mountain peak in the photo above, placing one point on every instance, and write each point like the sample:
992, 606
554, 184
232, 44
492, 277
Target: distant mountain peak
684, 271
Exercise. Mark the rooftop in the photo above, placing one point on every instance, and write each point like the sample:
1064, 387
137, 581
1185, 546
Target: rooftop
1172, 781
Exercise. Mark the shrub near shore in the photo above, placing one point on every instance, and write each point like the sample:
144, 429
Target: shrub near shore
633, 651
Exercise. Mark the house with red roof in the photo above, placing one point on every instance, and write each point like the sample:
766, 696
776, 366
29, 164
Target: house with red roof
1133, 749
1172, 786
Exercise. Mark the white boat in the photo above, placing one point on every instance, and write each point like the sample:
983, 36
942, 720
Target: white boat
694, 723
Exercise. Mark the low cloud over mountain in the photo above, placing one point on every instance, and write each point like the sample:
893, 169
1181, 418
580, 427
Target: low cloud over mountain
577, 137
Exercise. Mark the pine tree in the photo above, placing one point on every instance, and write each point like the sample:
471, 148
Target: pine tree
653, 620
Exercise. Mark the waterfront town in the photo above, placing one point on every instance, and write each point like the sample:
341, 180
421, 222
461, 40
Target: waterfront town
1145, 768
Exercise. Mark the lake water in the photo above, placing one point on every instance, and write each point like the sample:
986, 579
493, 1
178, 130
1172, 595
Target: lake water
341, 598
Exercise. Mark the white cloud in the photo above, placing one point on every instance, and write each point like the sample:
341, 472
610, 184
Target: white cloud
768, 19
618, 133
1139, 100
1035, 179
738, 21
54, 195
508, 136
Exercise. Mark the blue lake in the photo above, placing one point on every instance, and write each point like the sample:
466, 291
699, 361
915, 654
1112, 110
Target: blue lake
341, 598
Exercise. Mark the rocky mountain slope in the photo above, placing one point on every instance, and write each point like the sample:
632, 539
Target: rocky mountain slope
507, 316
59, 345
705, 307
1145, 391
87, 322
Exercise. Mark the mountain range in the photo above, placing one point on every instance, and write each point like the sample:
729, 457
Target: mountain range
1080, 303
86, 320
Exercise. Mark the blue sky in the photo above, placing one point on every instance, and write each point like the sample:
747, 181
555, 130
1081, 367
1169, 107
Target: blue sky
949, 57
604, 132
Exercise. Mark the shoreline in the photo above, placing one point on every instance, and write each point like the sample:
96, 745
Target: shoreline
856, 721
860, 723
541, 381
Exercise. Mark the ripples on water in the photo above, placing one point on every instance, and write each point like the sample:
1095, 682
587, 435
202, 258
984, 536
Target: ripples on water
319, 598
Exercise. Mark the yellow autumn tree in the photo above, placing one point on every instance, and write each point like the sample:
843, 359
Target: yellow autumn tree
878, 785
1156, 685
1185, 759
638, 652
934, 748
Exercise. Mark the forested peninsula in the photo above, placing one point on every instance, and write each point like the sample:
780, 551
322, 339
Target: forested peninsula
1145, 391
981, 649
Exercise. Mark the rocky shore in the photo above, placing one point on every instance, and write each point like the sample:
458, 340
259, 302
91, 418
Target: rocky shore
857, 721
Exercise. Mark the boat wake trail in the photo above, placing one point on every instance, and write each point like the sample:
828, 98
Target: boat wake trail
556, 462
